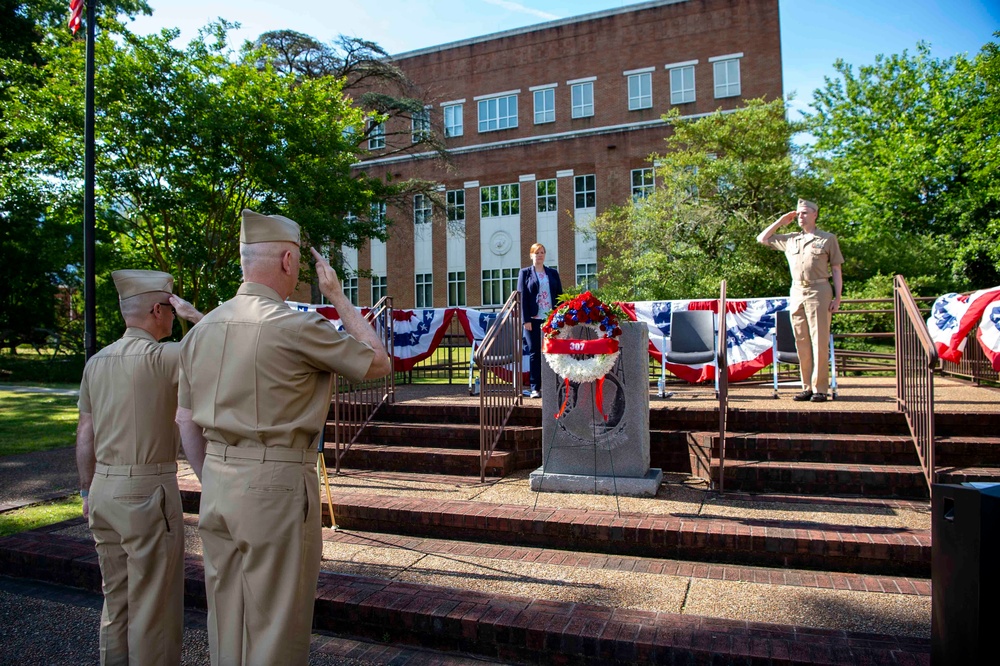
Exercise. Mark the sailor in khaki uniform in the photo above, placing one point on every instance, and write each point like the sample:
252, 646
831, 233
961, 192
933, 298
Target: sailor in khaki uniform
126, 452
813, 258
256, 384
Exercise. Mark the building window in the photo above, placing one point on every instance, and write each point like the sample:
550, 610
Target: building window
456, 205
380, 288
420, 126
545, 106
586, 276
424, 290
456, 289
642, 183
350, 286
583, 99
422, 209
545, 196
585, 188
497, 200
377, 214
682, 85
727, 78
497, 113
640, 91
498, 284
376, 136
453, 120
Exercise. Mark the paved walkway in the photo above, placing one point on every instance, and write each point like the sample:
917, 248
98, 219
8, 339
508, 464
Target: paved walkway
54, 625
29, 478
21, 388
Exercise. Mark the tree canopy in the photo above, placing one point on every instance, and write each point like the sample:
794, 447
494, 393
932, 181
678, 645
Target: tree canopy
720, 180
904, 165
187, 137
909, 148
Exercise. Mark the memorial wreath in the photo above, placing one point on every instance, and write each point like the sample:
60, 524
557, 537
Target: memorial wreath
581, 360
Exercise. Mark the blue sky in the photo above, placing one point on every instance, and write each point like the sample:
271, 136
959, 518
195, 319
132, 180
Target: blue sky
814, 33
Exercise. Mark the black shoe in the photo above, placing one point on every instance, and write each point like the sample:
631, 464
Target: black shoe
818, 397
802, 397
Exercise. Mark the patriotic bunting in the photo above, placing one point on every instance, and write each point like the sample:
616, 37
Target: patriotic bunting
475, 323
749, 328
953, 317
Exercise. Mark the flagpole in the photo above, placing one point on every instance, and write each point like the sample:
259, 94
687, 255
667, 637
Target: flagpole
89, 282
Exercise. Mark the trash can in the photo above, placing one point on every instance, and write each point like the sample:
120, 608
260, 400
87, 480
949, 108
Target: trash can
965, 572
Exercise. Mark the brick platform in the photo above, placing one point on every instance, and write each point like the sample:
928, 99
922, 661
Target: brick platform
506, 627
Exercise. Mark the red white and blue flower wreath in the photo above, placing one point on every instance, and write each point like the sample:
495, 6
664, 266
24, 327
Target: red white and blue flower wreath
563, 353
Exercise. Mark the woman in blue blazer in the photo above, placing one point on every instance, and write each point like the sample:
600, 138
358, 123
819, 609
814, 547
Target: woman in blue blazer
540, 288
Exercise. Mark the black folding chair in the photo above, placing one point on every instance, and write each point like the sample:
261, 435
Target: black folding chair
783, 348
693, 339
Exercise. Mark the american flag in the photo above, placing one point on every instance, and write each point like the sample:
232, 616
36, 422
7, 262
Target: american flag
75, 14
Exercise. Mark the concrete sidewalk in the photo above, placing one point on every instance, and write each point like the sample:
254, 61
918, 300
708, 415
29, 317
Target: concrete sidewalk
55, 625
39, 476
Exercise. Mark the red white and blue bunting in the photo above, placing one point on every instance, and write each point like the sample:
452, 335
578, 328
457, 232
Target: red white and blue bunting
750, 326
953, 317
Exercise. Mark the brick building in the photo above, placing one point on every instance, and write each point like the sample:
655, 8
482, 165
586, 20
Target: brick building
547, 126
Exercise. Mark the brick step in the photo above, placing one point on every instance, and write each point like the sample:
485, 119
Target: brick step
853, 449
444, 435
663, 416
427, 460
830, 420
776, 543
818, 478
512, 628
879, 550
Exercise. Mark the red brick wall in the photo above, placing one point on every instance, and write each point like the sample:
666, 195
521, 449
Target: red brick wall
602, 47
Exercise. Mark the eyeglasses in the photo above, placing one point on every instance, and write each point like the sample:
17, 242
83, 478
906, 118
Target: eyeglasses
172, 309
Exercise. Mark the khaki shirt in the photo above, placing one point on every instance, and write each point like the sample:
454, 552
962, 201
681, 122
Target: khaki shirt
130, 389
254, 371
809, 259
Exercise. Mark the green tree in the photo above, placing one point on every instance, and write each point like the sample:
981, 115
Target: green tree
910, 151
188, 137
39, 236
721, 180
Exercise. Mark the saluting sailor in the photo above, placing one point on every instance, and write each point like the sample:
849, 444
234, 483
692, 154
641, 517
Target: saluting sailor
255, 383
126, 452
814, 259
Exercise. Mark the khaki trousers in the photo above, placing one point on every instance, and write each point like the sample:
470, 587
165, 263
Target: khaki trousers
138, 526
261, 532
810, 314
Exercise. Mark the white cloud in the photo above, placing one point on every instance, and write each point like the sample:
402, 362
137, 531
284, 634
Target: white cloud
518, 7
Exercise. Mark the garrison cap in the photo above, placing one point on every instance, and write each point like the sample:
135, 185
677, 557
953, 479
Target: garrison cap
134, 282
257, 228
809, 204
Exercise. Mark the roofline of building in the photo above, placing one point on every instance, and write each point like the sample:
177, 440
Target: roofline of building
536, 27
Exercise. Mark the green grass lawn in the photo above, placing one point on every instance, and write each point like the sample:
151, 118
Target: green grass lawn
36, 422
40, 515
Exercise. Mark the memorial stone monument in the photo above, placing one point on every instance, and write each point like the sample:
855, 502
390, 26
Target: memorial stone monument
584, 453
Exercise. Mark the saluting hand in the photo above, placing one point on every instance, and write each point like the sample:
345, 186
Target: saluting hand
185, 310
329, 283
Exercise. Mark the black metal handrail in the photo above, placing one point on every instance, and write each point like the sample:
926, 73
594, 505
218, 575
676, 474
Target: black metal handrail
722, 368
355, 403
916, 358
499, 361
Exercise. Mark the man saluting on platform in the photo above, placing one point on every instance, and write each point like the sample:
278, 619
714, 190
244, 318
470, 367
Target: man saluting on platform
256, 384
126, 453
813, 257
